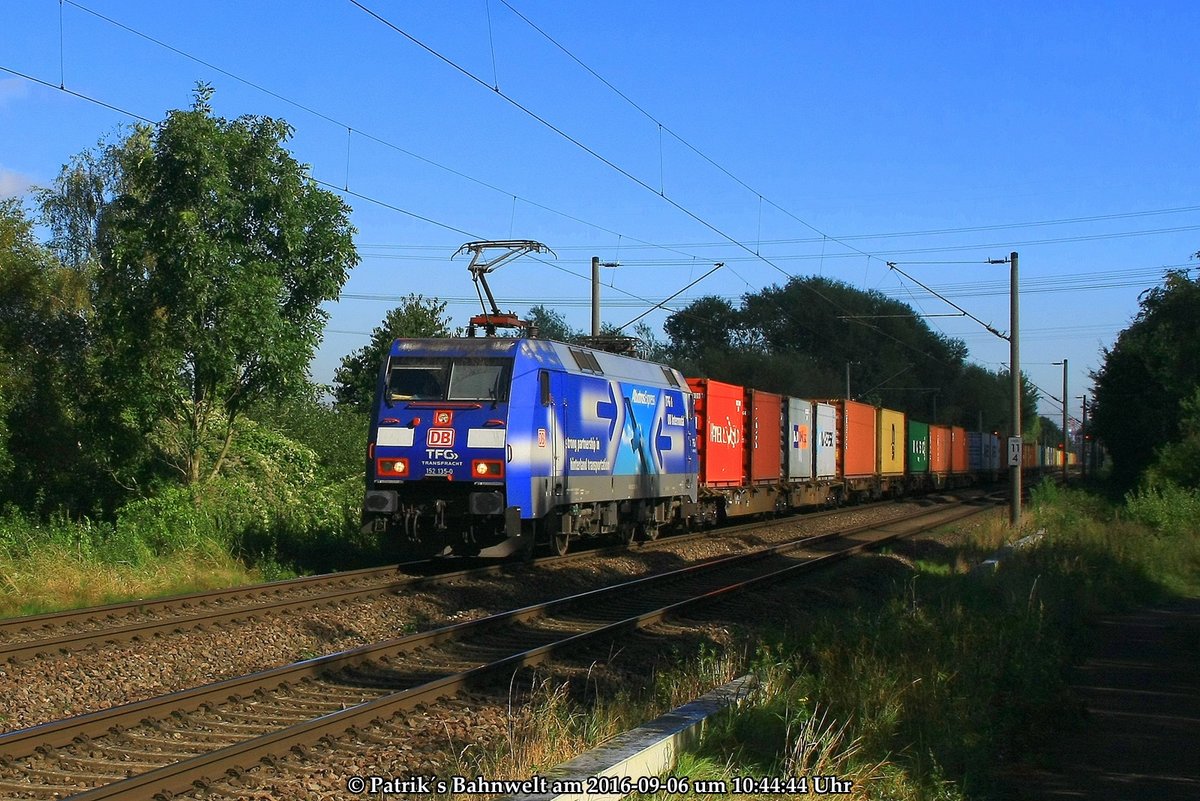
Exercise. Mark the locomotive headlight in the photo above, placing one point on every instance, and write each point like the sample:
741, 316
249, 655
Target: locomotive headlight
487, 468
392, 467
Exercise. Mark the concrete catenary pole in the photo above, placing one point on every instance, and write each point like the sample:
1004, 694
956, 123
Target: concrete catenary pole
595, 296
1014, 355
1083, 443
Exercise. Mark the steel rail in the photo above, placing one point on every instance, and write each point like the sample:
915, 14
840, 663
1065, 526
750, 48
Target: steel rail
393, 578
59, 733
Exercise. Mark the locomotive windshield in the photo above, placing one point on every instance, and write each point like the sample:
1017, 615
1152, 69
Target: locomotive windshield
459, 379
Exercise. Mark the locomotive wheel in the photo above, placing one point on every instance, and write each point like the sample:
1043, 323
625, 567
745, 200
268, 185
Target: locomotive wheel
627, 532
562, 542
649, 532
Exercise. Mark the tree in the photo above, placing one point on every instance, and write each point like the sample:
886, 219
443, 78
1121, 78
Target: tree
43, 336
1151, 370
215, 256
72, 206
551, 324
706, 325
416, 316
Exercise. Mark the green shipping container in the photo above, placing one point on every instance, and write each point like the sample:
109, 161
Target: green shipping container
918, 447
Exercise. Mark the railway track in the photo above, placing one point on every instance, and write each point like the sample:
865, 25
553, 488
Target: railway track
58, 632
167, 744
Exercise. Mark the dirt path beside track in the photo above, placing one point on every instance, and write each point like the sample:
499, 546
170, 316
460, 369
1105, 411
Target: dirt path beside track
1141, 735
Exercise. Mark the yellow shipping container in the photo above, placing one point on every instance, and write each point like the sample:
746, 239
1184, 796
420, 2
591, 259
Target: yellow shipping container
891, 443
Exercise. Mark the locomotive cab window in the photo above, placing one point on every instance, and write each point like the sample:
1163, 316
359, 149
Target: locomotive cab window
413, 379
460, 379
479, 379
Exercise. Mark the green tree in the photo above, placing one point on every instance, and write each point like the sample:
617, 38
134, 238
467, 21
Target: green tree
72, 206
1179, 461
43, 336
552, 324
416, 316
216, 254
707, 325
1148, 374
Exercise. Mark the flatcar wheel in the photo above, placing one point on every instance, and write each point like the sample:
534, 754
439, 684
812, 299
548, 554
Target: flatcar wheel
562, 543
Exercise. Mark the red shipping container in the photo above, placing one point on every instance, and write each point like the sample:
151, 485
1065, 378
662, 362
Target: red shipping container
720, 427
939, 449
765, 436
856, 432
959, 452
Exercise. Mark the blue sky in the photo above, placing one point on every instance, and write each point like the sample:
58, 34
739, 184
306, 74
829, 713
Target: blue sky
847, 136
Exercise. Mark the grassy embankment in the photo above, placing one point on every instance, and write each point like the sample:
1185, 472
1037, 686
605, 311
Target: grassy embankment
907, 674
287, 503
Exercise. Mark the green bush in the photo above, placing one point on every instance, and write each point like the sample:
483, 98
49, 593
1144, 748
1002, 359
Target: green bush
1166, 508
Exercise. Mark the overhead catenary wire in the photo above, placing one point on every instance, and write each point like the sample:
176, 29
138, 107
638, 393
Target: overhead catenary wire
417, 216
603, 159
380, 140
673, 133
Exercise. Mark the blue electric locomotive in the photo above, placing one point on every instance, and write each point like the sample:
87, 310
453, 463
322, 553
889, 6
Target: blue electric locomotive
488, 446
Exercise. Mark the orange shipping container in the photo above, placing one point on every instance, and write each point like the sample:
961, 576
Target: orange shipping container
857, 432
939, 449
891, 443
765, 436
959, 453
720, 426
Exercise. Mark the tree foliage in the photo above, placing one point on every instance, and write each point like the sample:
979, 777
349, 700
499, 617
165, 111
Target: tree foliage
215, 256
416, 316
1148, 377
803, 338
43, 335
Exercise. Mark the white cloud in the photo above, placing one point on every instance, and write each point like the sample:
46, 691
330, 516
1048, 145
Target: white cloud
13, 89
13, 183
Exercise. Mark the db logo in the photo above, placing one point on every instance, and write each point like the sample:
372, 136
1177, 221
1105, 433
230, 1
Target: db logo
440, 438
443, 417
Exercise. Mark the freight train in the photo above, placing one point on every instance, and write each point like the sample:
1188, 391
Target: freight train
494, 446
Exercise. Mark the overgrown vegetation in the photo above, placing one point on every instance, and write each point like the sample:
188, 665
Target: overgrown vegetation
279, 505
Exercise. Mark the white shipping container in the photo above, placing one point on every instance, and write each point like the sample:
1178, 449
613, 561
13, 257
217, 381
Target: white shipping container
826, 440
801, 434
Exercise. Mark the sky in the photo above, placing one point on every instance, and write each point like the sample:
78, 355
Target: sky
777, 138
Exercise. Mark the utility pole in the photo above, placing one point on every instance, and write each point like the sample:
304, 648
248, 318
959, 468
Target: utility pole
1065, 435
1014, 356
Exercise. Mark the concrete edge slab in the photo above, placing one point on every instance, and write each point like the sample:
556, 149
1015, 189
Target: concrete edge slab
648, 750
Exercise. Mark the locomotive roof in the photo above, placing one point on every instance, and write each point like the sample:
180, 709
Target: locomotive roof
552, 354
